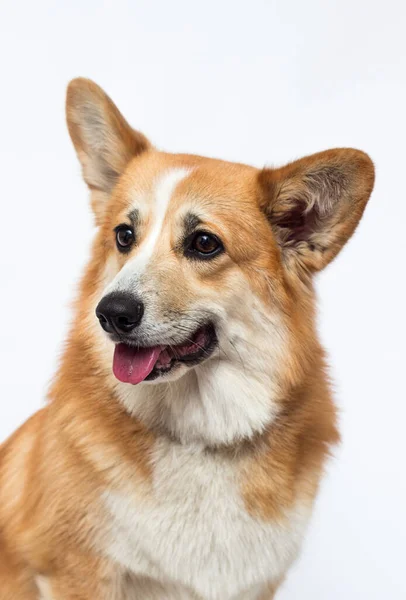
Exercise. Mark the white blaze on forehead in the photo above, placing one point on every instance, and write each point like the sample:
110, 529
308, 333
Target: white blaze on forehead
164, 189
161, 196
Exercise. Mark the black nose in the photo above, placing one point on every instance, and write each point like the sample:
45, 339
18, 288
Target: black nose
119, 312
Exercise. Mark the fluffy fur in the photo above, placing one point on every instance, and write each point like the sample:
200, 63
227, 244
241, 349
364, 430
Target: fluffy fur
198, 485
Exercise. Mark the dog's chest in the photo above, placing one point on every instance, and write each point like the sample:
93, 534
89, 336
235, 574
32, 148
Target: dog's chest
195, 530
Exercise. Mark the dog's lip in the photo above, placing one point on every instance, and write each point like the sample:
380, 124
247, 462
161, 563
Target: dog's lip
134, 363
134, 341
199, 344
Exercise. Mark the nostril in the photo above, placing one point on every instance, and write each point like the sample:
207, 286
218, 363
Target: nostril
124, 321
104, 322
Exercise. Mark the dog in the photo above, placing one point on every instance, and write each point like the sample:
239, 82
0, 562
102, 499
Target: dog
191, 417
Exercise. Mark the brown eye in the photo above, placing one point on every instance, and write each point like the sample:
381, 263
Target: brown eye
124, 237
203, 245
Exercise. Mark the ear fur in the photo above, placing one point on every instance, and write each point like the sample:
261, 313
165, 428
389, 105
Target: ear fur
314, 204
103, 140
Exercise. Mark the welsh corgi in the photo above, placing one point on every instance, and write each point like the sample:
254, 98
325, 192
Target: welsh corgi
191, 417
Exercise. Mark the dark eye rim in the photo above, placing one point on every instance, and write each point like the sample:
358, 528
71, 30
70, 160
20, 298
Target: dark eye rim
191, 252
124, 227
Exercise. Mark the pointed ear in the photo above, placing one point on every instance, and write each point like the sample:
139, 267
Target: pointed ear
314, 204
103, 140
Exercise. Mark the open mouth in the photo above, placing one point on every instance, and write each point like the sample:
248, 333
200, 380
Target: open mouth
133, 364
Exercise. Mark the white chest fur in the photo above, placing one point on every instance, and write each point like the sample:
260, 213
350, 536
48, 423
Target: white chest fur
194, 532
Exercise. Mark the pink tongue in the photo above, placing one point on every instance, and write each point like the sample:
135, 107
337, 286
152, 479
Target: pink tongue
132, 365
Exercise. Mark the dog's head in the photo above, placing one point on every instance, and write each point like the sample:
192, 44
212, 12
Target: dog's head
204, 261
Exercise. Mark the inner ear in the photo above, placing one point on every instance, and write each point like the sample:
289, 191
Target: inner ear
293, 224
314, 204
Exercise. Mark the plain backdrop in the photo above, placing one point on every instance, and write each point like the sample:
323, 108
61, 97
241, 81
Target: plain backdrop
261, 82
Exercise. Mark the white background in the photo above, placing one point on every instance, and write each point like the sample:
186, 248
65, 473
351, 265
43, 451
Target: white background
255, 81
